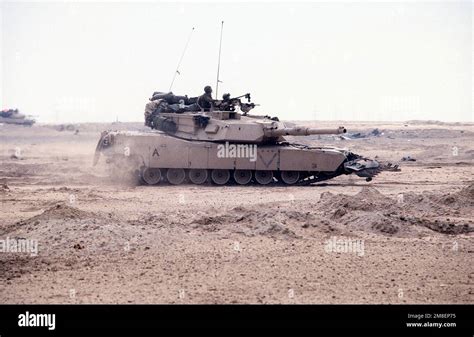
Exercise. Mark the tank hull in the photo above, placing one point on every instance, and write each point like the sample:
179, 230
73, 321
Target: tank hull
18, 121
155, 152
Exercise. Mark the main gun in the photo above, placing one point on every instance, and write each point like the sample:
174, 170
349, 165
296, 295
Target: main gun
302, 131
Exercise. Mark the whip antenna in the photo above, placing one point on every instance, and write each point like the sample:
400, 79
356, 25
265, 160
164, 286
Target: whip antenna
219, 61
181, 59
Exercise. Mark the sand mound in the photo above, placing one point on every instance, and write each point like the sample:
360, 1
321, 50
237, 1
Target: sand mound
368, 199
253, 222
367, 211
467, 192
370, 211
387, 223
61, 211
463, 198
55, 213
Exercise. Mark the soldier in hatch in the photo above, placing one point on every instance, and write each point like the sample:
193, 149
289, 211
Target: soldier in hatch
226, 103
205, 101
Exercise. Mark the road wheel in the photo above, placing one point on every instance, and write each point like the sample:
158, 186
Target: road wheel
151, 176
198, 176
290, 177
242, 177
220, 177
175, 176
264, 177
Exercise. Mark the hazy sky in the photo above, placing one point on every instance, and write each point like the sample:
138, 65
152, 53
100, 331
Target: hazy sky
98, 61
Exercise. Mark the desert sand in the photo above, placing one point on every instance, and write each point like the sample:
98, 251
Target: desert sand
105, 242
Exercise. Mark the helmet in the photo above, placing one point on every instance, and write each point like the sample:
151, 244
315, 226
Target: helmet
226, 97
207, 89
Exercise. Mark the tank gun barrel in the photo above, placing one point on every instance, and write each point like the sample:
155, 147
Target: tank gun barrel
303, 131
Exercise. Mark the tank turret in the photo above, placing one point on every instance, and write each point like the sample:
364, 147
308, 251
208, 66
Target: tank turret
223, 123
231, 126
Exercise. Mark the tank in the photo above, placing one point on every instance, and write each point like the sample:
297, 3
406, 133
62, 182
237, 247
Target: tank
12, 116
227, 146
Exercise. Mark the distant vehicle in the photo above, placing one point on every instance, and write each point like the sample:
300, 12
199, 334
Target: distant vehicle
13, 116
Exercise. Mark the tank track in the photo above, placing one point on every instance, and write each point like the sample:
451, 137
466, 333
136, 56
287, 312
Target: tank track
362, 167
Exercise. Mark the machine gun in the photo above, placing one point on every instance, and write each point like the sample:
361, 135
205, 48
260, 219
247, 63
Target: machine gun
229, 104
